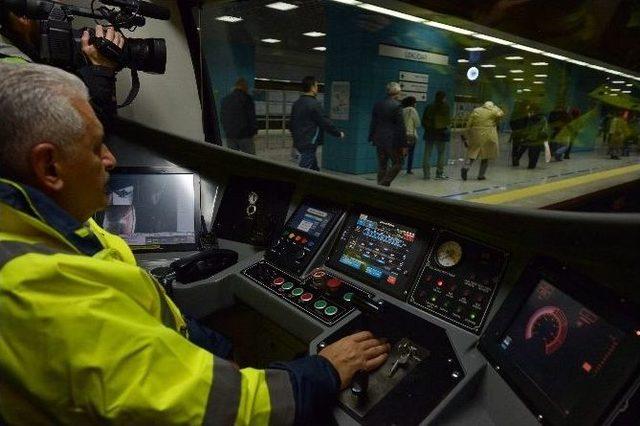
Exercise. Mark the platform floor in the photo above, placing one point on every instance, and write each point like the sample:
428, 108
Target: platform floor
501, 177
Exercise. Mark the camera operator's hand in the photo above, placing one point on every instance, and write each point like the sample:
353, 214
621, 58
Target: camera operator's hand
357, 352
90, 51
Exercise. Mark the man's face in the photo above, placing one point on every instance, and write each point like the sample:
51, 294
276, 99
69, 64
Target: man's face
85, 168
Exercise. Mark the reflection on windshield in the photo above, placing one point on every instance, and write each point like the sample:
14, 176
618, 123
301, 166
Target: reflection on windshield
417, 101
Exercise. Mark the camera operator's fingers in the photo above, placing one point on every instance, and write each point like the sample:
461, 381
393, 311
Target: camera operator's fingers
99, 31
118, 39
110, 34
85, 40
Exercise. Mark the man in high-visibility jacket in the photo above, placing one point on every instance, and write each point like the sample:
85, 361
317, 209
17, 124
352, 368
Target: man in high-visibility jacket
85, 335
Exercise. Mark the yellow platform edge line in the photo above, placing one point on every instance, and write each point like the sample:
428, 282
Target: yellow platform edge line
543, 188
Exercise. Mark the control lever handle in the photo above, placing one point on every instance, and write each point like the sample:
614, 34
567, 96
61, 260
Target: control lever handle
360, 384
368, 306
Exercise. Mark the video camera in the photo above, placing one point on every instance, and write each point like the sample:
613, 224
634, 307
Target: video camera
60, 44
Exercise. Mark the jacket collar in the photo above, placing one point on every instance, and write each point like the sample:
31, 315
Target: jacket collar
8, 49
34, 203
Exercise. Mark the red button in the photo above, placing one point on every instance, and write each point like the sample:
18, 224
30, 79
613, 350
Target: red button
334, 284
304, 241
439, 283
391, 280
298, 237
278, 281
306, 297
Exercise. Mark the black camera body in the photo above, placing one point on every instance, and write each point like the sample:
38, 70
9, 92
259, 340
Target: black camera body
60, 45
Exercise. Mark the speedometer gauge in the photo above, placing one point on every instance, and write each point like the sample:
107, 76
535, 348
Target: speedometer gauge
449, 254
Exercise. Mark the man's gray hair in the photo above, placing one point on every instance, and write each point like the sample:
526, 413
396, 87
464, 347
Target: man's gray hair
35, 106
393, 88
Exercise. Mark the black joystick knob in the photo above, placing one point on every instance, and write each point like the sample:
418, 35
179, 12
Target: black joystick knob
360, 384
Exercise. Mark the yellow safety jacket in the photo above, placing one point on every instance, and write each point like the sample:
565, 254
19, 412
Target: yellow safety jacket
87, 337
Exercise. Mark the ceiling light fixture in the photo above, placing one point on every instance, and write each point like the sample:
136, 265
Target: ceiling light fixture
538, 82
314, 34
554, 56
526, 48
526, 90
618, 82
390, 12
487, 66
475, 49
227, 18
463, 61
514, 58
280, 5
500, 76
518, 79
270, 40
516, 71
626, 91
320, 48
541, 75
539, 64
446, 27
616, 90
629, 85
349, 2
493, 39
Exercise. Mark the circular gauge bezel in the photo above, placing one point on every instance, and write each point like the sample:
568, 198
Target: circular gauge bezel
457, 247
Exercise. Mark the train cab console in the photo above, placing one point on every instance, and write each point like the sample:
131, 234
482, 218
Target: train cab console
494, 316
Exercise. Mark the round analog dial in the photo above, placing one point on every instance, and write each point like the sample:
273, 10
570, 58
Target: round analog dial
449, 254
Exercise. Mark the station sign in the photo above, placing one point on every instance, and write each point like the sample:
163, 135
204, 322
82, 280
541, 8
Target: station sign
412, 55
414, 77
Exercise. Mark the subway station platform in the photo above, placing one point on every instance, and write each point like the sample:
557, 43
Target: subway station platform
550, 183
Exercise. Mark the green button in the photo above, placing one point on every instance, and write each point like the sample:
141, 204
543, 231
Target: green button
433, 298
320, 304
472, 316
330, 310
287, 286
348, 296
297, 291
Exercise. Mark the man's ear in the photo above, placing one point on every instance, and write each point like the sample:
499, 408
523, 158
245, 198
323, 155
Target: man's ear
45, 160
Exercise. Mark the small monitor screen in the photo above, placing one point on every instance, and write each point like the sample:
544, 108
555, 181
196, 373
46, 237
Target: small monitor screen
311, 221
560, 345
379, 251
151, 209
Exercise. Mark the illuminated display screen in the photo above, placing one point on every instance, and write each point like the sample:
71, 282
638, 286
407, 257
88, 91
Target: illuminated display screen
311, 221
560, 345
378, 251
151, 209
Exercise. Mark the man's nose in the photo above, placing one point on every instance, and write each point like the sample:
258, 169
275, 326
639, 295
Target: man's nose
108, 159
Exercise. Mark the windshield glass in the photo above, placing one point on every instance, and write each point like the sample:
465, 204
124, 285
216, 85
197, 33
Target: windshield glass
471, 105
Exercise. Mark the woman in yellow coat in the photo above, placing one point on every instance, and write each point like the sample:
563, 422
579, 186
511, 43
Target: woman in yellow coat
482, 137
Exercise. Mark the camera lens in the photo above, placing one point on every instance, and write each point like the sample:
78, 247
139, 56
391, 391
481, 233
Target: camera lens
146, 54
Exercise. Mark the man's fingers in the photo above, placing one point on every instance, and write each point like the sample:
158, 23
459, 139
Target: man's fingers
370, 343
110, 34
362, 336
120, 40
377, 350
99, 31
85, 39
376, 362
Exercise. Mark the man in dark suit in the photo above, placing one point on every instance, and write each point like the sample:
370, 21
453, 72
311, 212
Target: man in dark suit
239, 118
388, 134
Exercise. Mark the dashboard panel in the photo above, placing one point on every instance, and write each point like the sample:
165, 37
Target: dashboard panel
461, 244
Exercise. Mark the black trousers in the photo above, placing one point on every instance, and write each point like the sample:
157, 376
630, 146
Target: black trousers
534, 154
387, 174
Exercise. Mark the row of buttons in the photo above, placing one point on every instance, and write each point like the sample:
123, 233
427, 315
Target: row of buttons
321, 305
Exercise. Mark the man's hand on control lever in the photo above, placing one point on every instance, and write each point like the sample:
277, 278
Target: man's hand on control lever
360, 351
90, 51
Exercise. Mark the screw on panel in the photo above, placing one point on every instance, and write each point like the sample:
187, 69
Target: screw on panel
455, 374
322, 345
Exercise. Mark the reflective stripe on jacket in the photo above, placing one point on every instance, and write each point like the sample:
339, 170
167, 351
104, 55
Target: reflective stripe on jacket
87, 337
